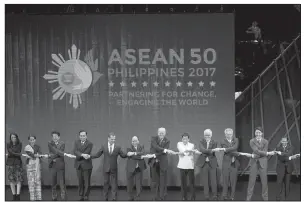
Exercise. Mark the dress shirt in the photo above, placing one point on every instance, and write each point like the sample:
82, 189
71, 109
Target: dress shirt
186, 161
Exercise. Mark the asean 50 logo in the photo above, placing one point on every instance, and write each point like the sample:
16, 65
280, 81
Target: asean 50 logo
74, 76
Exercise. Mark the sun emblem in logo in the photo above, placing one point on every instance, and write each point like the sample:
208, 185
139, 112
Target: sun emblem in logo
73, 76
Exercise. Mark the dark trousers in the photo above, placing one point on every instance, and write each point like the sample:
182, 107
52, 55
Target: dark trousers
229, 178
110, 179
137, 175
209, 175
254, 169
159, 181
283, 178
84, 182
58, 174
184, 187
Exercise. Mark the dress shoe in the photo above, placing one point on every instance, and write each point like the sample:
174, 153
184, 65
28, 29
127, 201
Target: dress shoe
81, 199
17, 197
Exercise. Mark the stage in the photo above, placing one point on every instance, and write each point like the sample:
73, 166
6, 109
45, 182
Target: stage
174, 193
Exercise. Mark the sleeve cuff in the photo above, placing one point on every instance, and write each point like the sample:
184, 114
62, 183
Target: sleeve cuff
289, 158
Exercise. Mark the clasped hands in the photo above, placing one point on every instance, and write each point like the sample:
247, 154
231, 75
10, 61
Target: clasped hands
85, 156
294, 156
41, 155
189, 152
218, 149
271, 153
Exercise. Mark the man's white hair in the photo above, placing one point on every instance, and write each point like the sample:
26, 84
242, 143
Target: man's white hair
208, 132
162, 129
228, 130
134, 137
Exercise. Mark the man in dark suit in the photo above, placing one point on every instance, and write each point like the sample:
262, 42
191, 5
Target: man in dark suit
135, 167
284, 167
83, 164
57, 164
207, 161
259, 163
230, 163
111, 152
159, 165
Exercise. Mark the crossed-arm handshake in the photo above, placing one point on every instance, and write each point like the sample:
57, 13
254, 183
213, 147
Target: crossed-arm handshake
47, 155
185, 152
87, 156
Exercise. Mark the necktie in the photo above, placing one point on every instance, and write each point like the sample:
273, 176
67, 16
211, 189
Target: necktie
82, 143
137, 162
233, 158
110, 149
160, 141
207, 159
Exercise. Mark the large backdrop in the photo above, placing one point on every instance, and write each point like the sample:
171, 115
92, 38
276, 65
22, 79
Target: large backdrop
127, 74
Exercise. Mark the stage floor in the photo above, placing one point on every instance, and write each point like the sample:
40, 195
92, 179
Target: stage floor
173, 193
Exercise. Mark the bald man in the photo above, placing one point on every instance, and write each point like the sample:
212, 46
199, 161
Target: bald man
159, 165
207, 161
135, 167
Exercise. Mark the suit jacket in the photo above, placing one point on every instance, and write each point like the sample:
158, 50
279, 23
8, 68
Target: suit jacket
157, 148
110, 160
14, 154
133, 160
260, 151
283, 159
80, 149
56, 152
230, 152
207, 152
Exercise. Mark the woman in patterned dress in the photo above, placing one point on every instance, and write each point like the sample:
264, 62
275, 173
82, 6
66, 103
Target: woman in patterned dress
34, 168
14, 164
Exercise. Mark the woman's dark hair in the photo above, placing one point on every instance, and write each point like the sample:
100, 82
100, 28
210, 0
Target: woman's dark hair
185, 135
17, 138
31, 136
